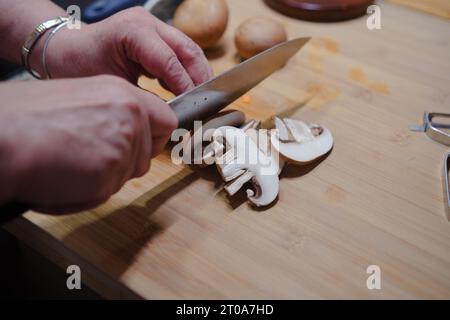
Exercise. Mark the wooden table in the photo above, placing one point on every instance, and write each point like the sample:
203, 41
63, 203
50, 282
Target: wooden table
375, 200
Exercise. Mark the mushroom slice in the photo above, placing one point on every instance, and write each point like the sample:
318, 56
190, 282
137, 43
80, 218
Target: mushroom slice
252, 124
284, 135
223, 161
262, 140
311, 142
200, 137
238, 183
300, 131
248, 163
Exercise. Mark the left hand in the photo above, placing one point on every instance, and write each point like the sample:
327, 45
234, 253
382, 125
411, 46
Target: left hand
129, 44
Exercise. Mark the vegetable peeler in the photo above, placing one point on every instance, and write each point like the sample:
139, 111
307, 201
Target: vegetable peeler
446, 182
434, 130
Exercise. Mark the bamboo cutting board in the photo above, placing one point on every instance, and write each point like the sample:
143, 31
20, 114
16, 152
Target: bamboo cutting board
375, 200
437, 7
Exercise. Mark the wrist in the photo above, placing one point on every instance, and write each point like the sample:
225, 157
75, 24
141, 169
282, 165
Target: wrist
34, 50
65, 53
35, 55
19, 19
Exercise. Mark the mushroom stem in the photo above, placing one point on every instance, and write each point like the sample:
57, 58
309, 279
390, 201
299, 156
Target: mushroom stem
250, 154
236, 185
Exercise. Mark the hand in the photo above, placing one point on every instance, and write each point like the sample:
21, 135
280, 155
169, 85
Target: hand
129, 44
68, 145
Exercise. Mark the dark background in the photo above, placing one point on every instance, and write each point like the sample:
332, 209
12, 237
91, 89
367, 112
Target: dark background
24, 273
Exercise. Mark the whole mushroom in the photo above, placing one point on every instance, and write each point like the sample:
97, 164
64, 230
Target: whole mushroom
258, 34
204, 21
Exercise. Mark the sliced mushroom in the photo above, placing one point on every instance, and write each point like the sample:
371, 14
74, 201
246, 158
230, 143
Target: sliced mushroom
252, 124
225, 160
256, 156
262, 140
284, 135
304, 143
213, 150
199, 137
238, 183
260, 170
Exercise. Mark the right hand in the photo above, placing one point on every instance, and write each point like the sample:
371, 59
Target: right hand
128, 44
71, 144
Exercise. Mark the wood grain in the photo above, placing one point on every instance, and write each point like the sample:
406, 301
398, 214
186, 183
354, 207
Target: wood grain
437, 7
375, 200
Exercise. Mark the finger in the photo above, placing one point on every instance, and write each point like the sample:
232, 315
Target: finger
131, 132
158, 145
189, 53
143, 157
162, 121
164, 85
157, 58
140, 153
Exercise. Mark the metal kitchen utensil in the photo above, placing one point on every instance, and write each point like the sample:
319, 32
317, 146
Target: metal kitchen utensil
446, 183
163, 9
214, 95
434, 129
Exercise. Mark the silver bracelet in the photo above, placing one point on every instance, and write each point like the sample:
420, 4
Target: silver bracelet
33, 39
47, 42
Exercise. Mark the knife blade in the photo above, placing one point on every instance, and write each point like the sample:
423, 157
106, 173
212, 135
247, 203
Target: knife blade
214, 95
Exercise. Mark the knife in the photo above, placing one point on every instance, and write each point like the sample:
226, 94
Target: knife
214, 95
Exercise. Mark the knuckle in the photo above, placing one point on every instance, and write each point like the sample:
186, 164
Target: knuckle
129, 132
130, 105
110, 161
105, 164
192, 49
133, 15
173, 65
138, 11
125, 99
114, 84
131, 118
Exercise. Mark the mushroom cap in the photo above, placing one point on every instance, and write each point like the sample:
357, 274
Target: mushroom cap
205, 21
249, 158
257, 34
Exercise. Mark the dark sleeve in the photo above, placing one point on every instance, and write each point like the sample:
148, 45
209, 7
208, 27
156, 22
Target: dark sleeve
11, 211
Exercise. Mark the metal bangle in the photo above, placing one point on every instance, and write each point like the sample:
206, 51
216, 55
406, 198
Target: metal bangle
33, 38
47, 42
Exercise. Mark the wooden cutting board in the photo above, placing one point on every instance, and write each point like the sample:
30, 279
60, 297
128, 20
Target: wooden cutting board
375, 200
